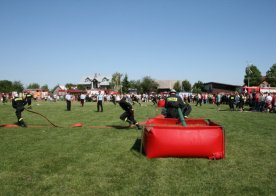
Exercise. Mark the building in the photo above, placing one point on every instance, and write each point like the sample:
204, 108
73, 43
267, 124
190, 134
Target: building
97, 81
165, 85
214, 87
60, 90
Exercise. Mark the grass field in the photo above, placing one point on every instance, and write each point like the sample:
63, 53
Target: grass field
106, 161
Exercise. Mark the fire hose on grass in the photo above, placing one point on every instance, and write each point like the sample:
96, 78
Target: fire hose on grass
54, 125
43, 117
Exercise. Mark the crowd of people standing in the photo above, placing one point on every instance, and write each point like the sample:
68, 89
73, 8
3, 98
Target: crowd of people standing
237, 101
261, 102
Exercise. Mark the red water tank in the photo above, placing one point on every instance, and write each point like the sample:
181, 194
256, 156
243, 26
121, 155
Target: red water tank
167, 138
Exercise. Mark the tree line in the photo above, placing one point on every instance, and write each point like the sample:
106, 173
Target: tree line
253, 76
7, 86
121, 83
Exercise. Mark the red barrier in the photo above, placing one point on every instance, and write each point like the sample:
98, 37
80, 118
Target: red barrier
166, 138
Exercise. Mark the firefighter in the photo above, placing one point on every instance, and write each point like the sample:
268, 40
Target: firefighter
154, 99
29, 97
128, 115
135, 99
232, 101
113, 99
18, 103
172, 103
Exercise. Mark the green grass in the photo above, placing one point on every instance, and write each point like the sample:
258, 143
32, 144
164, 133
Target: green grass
99, 161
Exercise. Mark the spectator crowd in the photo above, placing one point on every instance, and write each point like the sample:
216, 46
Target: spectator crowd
255, 101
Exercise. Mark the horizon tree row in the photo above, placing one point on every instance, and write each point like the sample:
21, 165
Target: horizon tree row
121, 83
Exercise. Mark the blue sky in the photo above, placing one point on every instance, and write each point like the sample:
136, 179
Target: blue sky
57, 42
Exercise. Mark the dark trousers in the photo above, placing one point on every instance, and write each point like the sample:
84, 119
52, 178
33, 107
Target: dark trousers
199, 101
129, 115
100, 106
82, 102
186, 110
18, 113
68, 103
231, 105
172, 113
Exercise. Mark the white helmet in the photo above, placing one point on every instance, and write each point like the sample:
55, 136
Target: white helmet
173, 91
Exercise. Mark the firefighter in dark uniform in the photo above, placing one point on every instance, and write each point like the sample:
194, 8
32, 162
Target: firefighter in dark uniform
18, 104
154, 99
135, 99
172, 103
128, 115
29, 97
113, 99
231, 101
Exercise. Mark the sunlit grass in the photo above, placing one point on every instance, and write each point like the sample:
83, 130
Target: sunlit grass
106, 161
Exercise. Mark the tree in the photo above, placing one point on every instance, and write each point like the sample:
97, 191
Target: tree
33, 86
17, 86
80, 87
177, 86
198, 87
6, 86
186, 86
116, 81
253, 76
148, 85
125, 84
271, 75
136, 84
69, 85
45, 87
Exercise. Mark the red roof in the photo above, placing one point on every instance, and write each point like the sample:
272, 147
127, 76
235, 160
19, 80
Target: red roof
75, 91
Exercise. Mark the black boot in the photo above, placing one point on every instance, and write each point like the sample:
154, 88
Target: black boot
127, 120
22, 123
138, 126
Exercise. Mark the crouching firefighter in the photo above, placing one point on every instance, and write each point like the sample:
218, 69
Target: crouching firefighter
172, 103
128, 115
18, 103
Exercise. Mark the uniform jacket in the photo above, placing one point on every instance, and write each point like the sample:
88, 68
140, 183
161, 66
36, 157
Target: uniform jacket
125, 105
172, 103
18, 103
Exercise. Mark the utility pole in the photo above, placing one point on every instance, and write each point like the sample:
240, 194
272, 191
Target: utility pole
248, 72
